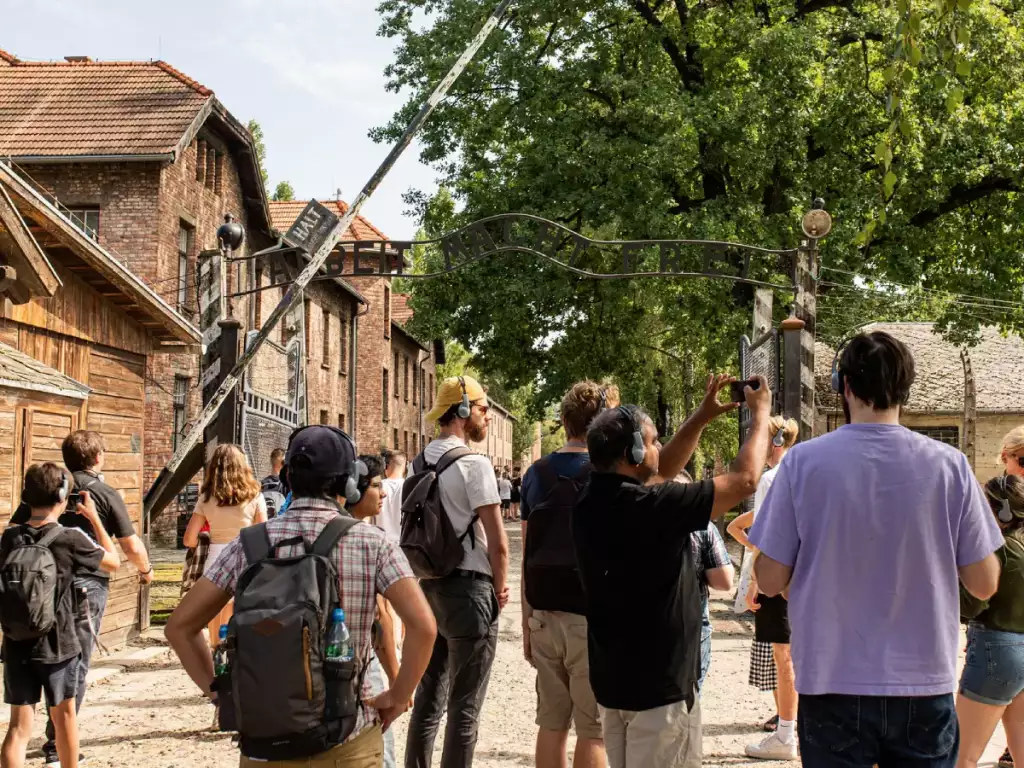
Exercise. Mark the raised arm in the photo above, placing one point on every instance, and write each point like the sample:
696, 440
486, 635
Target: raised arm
679, 450
741, 481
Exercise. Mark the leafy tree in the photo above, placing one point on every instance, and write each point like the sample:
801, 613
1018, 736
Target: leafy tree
283, 192
704, 119
256, 131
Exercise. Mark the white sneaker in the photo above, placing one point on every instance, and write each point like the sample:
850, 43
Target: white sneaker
772, 748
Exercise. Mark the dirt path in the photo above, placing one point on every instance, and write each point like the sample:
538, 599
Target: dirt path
152, 715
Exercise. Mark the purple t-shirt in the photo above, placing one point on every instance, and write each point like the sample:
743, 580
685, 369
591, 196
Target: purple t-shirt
875, 520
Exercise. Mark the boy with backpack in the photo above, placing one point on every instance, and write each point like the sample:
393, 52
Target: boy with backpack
39, 609
554, 620
456, 543
290, 693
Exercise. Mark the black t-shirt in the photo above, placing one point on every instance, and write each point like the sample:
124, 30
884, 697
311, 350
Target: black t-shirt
642, 599
74, 553
109, 505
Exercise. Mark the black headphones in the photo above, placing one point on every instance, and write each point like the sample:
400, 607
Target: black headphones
350, 489
837, 384
465, 407
780, 437
635, 453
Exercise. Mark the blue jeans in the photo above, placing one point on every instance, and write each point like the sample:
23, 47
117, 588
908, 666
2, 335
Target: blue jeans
994, 672
705, 655
888, 731
87, 625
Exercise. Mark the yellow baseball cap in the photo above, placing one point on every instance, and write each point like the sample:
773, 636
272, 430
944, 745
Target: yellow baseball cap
450, 393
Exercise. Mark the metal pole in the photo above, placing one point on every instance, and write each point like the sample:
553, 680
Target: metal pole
294, 292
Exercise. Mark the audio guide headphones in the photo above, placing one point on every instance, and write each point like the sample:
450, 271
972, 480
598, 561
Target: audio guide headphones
465, 407
350, 488
837, 384
780, 437
1005, 514
635, 452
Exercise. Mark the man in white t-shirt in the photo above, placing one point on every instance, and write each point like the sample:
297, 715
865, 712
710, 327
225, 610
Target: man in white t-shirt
390, 518
467, 601
505, 492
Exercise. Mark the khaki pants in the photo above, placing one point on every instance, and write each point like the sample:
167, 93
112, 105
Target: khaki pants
664, 737
558, 643
364, 751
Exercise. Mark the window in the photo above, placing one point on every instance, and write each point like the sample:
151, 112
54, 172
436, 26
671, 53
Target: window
341, 421
325, 349
405, 442
323, 417
385, 400
201, 161
949, 435
394, 368
180, 409
414, 378
342, 344
387, 312
184, 249
405, 376
430, 390
211, 166
87, 219
396, 438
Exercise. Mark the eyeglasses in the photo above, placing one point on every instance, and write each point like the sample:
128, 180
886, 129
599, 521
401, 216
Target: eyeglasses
1020, 462
483, 408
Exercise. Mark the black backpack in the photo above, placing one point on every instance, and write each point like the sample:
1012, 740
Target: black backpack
281, 693
28, 586
552, 577
428, 538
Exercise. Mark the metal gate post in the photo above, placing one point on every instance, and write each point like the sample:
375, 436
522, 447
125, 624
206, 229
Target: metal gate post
816, 224
792, 368
227, 425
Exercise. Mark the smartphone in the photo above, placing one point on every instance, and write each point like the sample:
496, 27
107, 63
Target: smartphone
736, 388
74, 499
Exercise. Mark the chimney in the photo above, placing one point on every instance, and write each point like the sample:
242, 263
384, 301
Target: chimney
77, 59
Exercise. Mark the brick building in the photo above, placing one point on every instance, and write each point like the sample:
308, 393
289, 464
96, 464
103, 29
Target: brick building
146, 161
390, 376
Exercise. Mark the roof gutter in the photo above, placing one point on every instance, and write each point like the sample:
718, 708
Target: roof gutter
162, 157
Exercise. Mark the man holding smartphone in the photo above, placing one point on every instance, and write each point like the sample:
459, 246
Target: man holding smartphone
633, 547
83, 453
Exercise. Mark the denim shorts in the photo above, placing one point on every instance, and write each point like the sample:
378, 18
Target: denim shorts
994, 673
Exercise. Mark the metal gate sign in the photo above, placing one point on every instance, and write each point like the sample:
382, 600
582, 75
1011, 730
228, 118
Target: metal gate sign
311, 230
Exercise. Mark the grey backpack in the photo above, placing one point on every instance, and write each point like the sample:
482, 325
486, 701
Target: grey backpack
28, 586
282, 695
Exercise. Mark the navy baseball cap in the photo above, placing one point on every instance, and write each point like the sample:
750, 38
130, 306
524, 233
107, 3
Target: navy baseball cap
320, 450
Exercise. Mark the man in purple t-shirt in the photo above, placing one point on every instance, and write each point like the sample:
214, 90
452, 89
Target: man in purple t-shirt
869, 528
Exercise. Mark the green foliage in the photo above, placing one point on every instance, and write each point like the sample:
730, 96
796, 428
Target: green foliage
283, 192
551, 441
674, 119
261, 149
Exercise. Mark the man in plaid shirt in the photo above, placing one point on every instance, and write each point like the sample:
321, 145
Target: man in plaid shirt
714, 568
320, 460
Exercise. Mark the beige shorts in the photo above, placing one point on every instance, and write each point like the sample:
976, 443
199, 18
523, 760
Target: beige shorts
664, 737
558, 643
364, 751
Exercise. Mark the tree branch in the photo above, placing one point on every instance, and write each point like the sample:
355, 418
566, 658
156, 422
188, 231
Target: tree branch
962, 194
852, 37
547, 44
804, 9
691, 76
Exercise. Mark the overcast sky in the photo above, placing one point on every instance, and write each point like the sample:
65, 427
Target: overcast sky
310, 72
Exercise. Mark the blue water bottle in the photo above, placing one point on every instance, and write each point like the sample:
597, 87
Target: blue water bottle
339, 641
220, 653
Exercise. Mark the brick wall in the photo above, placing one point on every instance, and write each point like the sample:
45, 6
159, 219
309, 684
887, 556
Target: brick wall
328, 366
405, 426
373, 357
497, 445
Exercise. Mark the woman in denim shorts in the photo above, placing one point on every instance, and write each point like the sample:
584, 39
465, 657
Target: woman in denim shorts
992, 685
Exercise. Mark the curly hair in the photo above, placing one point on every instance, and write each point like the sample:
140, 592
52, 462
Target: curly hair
581, 404
228, 479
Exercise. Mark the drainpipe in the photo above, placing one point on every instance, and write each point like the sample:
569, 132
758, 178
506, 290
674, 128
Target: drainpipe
422, 394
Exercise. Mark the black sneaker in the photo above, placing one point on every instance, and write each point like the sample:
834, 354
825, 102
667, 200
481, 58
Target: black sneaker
771, 724
1006, 761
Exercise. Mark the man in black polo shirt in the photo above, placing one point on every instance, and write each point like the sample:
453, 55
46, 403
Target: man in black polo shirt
83, 453
642, 599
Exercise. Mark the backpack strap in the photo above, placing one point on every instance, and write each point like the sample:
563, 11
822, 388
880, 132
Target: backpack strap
255, 543
546, 473
332, 533
450, 457
50, 536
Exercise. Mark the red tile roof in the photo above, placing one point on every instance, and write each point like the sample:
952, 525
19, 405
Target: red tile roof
64, 109
284, 214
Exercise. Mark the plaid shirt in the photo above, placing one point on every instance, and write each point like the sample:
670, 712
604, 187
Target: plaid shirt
709, 552
367, 563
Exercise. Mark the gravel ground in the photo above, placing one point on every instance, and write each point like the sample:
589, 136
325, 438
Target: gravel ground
152, 715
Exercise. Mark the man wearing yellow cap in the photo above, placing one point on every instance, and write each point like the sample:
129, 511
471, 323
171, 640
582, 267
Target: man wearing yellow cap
467, 601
